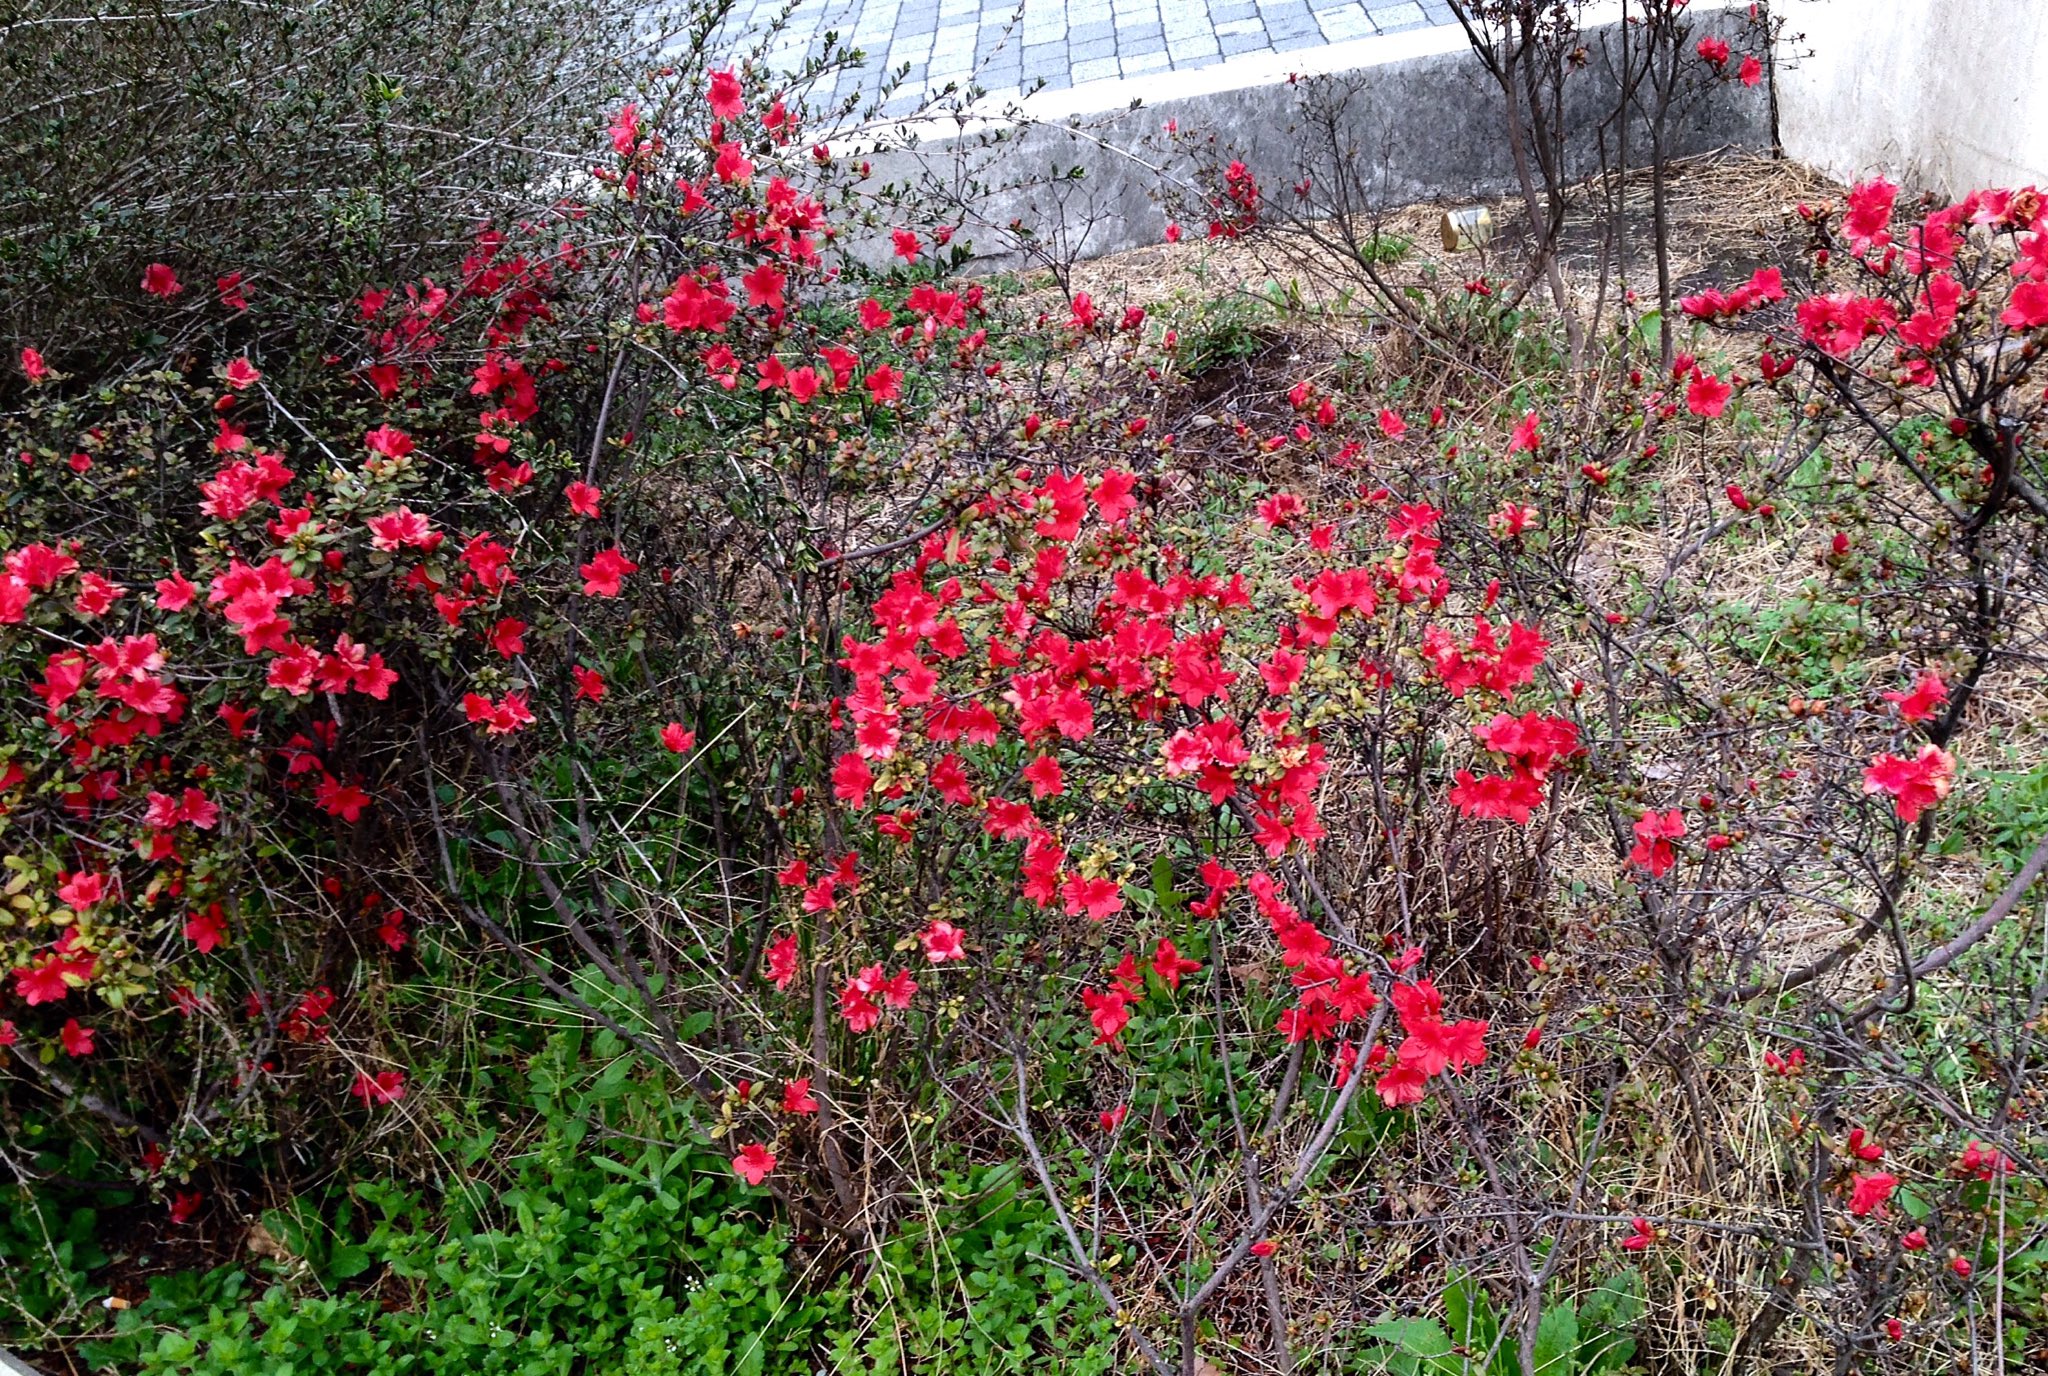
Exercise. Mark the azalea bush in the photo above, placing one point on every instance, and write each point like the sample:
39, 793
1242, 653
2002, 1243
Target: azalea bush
1058, 700
1767, 768
1335, 859
276, 613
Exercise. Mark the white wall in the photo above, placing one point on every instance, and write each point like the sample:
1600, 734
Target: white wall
1946, 95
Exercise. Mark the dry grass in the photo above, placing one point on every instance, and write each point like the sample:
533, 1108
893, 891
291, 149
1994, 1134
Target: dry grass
1728, 213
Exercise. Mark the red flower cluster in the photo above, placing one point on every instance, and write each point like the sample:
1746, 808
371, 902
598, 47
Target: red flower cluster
1915, 783
1531, 745
1765, 287
1431, 1047
1237, 209
1655, 832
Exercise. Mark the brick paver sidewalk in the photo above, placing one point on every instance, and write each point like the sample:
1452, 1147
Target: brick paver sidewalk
1062, 42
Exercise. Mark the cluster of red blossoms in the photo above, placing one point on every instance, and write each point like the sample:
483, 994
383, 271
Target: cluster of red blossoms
1913, 292
1915, 783
1765, 287
1716, 53
1237, 209
1109, 1009
282, 572
970, 652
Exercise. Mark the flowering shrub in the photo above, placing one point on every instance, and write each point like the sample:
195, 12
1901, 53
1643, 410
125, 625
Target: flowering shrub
1057, 700
214, 741
228, 736
1772, 769
929, 732
208, 701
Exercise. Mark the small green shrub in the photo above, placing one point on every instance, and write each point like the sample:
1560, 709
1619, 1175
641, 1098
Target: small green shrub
1585, 1337
967, 1287
613, 1237
580, 1256
49, 1233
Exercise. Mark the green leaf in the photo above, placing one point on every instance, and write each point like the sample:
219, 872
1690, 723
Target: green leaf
1609, 1353
349, 1262
1162, 886
1557, 1340
1417, 1336
1391, 1360
1473, 1323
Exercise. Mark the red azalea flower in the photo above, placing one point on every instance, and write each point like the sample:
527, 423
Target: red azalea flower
83, 889
1654, 834
385, 1087
1170, 965
508, 637
753, 1163
1108, 1012
76, 1037
207, 929
1915, 784
159, 280
1870, 1193
943, 942
1045, 777
1929, 692
1708, 395
781, 962
604, 574
884, 384
391, 443
725, 95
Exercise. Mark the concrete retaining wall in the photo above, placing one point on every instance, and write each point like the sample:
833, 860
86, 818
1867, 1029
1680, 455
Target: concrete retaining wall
1422, 116
1944, 95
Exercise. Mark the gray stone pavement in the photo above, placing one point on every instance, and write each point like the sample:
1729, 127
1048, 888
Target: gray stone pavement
1011, 46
